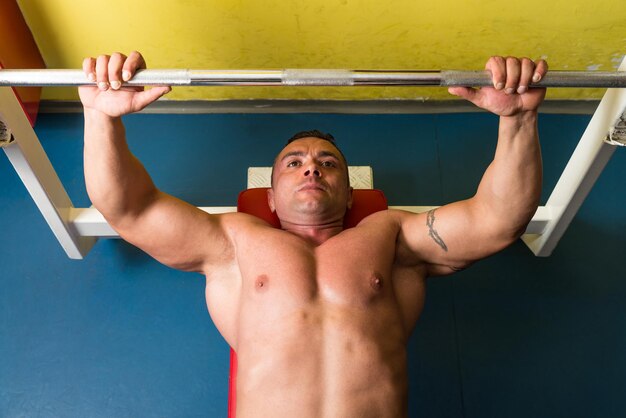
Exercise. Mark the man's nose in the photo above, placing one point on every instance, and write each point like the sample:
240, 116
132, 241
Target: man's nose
312, 170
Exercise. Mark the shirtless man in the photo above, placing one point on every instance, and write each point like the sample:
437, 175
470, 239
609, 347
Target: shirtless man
319, 316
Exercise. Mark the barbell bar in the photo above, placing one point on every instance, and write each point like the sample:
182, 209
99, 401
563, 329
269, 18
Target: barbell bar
307, 77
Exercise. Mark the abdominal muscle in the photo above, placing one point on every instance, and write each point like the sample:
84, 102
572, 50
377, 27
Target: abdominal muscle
323, 361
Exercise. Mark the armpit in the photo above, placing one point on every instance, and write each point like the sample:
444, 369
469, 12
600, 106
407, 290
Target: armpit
442, 270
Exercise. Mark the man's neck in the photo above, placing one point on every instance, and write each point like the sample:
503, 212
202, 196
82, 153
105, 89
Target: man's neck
314, 234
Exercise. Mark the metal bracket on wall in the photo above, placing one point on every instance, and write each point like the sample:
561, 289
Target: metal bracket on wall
77, 229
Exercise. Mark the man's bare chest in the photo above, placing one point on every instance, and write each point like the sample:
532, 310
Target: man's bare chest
281, 285
352, 268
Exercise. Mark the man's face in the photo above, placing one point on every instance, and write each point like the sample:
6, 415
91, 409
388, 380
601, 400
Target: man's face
310, 183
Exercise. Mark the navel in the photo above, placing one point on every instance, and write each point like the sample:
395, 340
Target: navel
261, 283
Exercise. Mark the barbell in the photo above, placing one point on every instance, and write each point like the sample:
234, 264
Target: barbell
308, 77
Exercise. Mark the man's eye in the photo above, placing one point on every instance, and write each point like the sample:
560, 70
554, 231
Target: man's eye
328, 164
293, 164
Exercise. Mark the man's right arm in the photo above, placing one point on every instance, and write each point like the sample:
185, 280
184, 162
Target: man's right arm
172, 231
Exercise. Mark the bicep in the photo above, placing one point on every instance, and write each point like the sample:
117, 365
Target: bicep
451, 237
177, 234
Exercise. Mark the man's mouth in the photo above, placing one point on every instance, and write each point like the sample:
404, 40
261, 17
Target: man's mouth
312, 186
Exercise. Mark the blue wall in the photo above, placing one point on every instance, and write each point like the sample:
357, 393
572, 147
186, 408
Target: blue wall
119, 335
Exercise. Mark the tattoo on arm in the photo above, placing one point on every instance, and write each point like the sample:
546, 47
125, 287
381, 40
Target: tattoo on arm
430, 221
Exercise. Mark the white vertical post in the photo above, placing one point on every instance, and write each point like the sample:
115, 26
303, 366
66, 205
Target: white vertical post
34, 168
583, 169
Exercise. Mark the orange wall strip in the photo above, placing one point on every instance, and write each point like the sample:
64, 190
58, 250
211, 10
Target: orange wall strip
19, 50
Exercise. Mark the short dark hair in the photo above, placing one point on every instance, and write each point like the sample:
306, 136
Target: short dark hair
313, 134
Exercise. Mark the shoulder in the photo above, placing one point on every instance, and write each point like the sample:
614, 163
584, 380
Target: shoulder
236, 223
391, 217
390, 221
408, 229
235, 229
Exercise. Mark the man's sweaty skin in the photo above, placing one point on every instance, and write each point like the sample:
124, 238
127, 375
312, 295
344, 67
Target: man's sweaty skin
321, 331
319, 317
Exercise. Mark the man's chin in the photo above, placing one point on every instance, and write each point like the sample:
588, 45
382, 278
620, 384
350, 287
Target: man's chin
312, 207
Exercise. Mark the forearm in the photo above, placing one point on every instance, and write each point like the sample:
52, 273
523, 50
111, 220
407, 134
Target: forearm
511, 187
117, 183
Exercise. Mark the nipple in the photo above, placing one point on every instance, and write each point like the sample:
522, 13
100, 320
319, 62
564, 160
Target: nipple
261, 283
376, 282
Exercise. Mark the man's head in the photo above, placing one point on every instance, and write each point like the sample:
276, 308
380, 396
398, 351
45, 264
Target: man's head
312, 134
310, 179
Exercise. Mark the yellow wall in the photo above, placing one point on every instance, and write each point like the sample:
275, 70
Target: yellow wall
403, 34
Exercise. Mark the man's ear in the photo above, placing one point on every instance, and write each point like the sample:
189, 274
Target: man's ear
350, 190
270, 199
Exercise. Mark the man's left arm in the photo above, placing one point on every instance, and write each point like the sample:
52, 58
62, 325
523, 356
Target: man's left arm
453, 236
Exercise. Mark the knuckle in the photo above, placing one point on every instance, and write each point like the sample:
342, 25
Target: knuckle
102, 61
